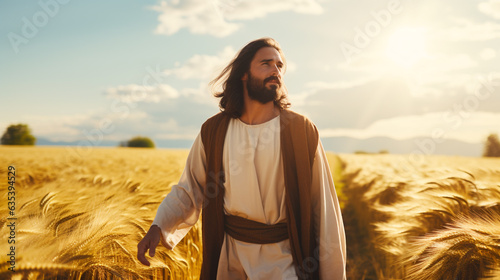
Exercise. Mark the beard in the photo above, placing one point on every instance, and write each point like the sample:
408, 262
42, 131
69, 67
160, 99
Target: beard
258, 91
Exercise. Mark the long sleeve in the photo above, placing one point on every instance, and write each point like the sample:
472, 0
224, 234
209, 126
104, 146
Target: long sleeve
328, 220
180, 209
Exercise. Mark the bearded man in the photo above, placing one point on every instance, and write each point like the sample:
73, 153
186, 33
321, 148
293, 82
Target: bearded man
259, 173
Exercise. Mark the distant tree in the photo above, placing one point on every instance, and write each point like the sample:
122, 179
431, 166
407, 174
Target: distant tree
18, 134
140, 142
383, 152
492, 146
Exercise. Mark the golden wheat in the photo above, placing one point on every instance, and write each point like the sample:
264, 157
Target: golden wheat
403, 204
467, 248
82, 217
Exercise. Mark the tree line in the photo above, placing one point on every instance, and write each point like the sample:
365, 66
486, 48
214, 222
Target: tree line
20, 134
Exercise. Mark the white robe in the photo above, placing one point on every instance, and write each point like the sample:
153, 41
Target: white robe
255, 189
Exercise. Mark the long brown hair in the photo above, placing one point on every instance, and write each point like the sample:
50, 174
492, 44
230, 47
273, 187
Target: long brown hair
232, 101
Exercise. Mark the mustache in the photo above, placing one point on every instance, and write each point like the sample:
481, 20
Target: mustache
272, 78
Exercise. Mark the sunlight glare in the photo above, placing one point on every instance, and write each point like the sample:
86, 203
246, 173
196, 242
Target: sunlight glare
407, 46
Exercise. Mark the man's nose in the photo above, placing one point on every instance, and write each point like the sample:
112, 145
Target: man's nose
276, 72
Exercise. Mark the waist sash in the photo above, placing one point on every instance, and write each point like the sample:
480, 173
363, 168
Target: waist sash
254, 232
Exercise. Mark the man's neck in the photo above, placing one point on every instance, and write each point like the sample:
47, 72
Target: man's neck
255, 112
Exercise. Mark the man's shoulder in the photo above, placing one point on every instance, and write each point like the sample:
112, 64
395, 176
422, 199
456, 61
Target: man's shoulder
215, 119
291, 117
300, 131
214, 125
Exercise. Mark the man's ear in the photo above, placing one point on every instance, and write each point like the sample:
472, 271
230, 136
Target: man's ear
244, 77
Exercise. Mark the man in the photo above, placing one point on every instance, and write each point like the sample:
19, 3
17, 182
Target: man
260, 174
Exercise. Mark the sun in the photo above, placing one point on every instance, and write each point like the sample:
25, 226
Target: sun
406, 46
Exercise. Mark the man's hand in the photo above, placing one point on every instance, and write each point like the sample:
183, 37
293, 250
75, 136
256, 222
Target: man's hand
150, 241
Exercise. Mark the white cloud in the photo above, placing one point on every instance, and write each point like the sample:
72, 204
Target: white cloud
319, 85
370, 62
488, 54
213, 17
203, 67
472, 128
198, 16
250, 9
198, 67
442, 63
467, 30
373, 62
359, 105
491, 8
139, 93
119, 127
55, 128
441, 74
178, 136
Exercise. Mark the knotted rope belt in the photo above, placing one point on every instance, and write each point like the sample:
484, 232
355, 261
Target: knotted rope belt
254, 232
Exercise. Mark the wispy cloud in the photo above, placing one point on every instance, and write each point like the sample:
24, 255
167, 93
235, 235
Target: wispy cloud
488, 54
202, 66
319, 85
250, 9
473, 129
468, 30
198, 16
491, 8
141, 93
372, 62
216, 17
96, 127
359, 105
178, 136
71, 127
57, 128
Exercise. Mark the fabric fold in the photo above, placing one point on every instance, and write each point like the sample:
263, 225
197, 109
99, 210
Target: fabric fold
254, 232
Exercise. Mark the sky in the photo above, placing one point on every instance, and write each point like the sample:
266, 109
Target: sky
111, 70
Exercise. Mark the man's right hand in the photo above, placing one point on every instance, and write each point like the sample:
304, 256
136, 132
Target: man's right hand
150, 241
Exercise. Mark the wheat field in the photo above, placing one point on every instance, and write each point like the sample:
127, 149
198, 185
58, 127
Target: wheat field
431, 217
81, 217
81, 213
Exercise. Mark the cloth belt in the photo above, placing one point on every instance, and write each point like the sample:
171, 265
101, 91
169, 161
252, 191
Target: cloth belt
254, 232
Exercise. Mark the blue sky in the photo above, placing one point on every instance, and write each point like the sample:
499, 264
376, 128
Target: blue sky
75, 69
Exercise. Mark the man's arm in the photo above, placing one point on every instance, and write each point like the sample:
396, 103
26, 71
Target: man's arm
328, 223
180, 210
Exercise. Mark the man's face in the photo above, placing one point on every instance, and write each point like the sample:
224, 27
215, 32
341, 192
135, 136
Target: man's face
263, 81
